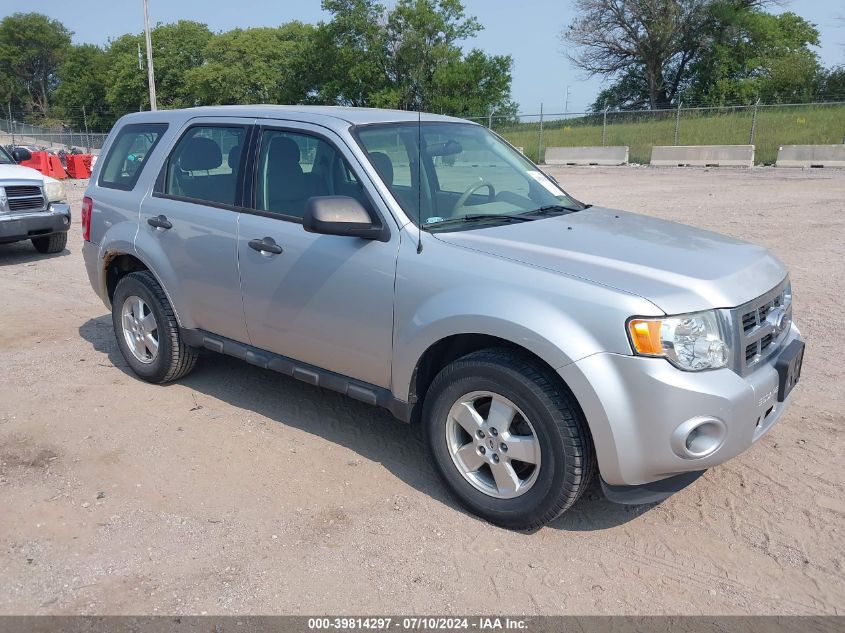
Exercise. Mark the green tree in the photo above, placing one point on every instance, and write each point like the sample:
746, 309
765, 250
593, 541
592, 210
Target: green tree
422, 37
832, 84
622, 39
349, 57
177, 48
82, 84
713, 52
476, 85
259, 65
755, 54
408, 57
32, 47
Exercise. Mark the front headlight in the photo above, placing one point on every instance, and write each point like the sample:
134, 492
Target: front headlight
54, 190
691, 342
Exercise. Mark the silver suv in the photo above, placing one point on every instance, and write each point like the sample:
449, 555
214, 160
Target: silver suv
422, 264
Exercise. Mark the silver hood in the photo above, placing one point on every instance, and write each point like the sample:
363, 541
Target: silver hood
677, 267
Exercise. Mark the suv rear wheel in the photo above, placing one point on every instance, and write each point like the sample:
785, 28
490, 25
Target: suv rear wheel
508, 439
147, 331
54, 243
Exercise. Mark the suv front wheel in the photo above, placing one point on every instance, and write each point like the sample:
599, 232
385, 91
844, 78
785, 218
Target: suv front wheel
147, 331
507, 438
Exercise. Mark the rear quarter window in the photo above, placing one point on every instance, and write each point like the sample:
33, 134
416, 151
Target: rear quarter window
128, 154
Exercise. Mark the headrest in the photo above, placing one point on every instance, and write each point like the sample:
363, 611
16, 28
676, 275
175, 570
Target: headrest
283, 150
383, 165
234, 157
200, 153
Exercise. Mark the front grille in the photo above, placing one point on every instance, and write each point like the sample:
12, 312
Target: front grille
22, 191
759, 337
24, 198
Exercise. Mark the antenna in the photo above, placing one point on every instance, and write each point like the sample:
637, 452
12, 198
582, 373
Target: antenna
419, 181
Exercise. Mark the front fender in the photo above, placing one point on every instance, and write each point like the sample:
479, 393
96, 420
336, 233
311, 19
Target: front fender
557, 336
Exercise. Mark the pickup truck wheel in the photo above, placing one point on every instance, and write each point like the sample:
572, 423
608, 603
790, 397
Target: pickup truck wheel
147, 331
508, 439
54, 243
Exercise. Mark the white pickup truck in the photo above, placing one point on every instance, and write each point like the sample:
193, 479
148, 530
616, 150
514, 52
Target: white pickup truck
32, 206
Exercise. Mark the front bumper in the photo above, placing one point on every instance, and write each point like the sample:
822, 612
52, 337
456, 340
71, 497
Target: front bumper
635, 406
15, 227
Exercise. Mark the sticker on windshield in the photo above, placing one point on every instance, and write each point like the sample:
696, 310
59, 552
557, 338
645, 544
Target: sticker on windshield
546, 182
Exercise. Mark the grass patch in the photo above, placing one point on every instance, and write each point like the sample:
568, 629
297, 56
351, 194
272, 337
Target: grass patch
775, 126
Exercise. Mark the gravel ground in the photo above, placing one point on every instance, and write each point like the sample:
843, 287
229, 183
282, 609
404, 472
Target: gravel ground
239, 490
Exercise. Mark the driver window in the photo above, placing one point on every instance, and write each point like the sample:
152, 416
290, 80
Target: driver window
293, 167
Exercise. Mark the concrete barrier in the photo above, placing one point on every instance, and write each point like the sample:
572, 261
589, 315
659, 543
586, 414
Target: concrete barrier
811, 156
617, 155
702, 156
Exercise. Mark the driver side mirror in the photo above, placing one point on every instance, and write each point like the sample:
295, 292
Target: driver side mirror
340, 215
20, 154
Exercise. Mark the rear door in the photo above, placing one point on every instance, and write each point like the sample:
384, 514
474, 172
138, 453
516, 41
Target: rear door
192, 217
321, 299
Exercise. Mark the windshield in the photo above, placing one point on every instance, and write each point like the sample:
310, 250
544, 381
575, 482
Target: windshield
5, 157
467, 174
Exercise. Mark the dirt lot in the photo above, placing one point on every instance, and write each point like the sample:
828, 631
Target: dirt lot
239, 490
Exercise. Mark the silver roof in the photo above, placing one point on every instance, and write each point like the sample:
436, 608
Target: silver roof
329, 116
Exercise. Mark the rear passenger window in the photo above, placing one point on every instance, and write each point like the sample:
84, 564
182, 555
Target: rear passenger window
205, 164
128, 154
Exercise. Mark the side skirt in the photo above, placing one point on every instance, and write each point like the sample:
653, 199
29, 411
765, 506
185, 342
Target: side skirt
355, 389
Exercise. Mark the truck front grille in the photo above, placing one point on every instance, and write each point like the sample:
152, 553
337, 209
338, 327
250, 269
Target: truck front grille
24, 198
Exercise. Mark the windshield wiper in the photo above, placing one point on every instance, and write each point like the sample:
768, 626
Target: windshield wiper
477, 217
554, 208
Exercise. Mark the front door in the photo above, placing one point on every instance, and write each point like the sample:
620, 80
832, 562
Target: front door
320, 299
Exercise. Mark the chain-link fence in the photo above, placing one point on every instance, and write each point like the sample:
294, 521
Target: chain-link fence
767, 127
14, 132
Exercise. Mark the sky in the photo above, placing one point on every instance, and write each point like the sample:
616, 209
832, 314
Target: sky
528, 30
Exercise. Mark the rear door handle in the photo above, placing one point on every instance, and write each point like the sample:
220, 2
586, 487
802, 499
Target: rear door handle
265, 245
160, 222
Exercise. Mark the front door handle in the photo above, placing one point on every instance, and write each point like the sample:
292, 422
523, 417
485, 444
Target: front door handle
160, 222
265, 245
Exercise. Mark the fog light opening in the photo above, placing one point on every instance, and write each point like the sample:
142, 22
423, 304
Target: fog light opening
699, 437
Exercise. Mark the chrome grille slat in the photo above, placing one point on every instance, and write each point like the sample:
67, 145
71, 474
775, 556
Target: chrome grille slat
22, 191
24, 198
756, 337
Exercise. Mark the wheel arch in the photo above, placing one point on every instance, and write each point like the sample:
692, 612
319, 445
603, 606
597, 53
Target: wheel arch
119, 262
450, 348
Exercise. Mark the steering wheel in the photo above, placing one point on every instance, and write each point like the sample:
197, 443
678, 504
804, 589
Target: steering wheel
481, 184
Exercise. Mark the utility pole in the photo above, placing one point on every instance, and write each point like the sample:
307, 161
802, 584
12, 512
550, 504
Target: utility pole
87, 135
12, 126
540, 143
566, 107
150, 71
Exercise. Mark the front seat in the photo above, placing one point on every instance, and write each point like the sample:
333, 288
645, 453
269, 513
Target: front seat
287, 186
384, 166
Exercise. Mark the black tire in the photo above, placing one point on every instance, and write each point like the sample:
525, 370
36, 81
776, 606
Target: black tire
174, 358
54, 243
567, 461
